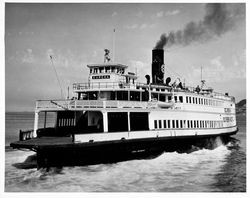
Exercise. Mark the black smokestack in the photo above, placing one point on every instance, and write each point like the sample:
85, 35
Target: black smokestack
158, 66
219, 18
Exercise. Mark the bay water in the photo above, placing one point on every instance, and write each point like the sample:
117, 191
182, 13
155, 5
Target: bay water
222, 169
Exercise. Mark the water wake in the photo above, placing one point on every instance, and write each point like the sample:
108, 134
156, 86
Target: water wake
189, 171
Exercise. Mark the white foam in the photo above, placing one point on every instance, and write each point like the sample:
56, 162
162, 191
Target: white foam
169, 172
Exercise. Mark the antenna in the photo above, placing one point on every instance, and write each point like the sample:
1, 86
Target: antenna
202, 81
68, 93
114, 45
201, 73
56, 75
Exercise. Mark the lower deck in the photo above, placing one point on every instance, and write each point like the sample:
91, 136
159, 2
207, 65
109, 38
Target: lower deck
85, 140
59, 152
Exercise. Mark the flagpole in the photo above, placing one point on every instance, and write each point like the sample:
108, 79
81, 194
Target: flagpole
114, 45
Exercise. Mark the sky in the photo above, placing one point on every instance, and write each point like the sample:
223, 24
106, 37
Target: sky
77, 34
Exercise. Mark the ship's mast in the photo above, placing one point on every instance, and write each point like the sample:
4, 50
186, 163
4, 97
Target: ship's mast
114, 45
201, 73
202, 81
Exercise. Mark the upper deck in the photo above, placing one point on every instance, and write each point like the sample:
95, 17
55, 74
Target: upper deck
137, 86
111, 86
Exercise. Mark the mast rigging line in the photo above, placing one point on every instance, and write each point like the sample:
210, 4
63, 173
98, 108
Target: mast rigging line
51, 59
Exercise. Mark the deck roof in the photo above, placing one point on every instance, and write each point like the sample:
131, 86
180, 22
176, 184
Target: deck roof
107, 65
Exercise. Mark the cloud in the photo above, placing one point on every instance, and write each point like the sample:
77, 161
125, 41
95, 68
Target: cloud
159, 14
28, 56
216, 64
140, 68
49, 52
143, 26
167, 13
114, 14
133, 26
139, 14
239, 62
138, 26
216, 71
171, 13
59, 58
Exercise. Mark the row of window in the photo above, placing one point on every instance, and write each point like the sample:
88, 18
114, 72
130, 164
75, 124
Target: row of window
195, 100
66, 122
101, 70
203, 101
144, 96
186, 124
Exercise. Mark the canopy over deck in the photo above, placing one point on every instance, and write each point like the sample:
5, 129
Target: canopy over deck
108, 64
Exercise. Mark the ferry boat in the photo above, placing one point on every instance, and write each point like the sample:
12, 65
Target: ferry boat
113, 117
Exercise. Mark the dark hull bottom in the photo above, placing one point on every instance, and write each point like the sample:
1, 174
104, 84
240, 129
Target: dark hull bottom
96, 153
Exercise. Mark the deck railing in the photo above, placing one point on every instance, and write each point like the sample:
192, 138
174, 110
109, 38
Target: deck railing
103, 85
77, 87
25, 135
51, 105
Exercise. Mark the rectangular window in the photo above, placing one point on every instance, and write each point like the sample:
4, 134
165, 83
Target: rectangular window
194, 123
202, 101
181, 123
181, 99
165, 124
197, 123
193, 100
159, 124
175, 98
177, 124
155, 124
169, 124
186, 99
196, 100
191, 123
190, 100
188, 124
173, 124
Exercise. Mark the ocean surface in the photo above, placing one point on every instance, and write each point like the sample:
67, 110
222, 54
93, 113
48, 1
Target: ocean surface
222, 169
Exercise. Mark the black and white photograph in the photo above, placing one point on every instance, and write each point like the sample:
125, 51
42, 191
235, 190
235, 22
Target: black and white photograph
116, 96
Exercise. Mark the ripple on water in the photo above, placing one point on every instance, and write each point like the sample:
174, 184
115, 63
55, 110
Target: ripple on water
168, 172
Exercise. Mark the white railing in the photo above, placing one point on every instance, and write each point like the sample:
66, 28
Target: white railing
50, 105
103, 85
78, 87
